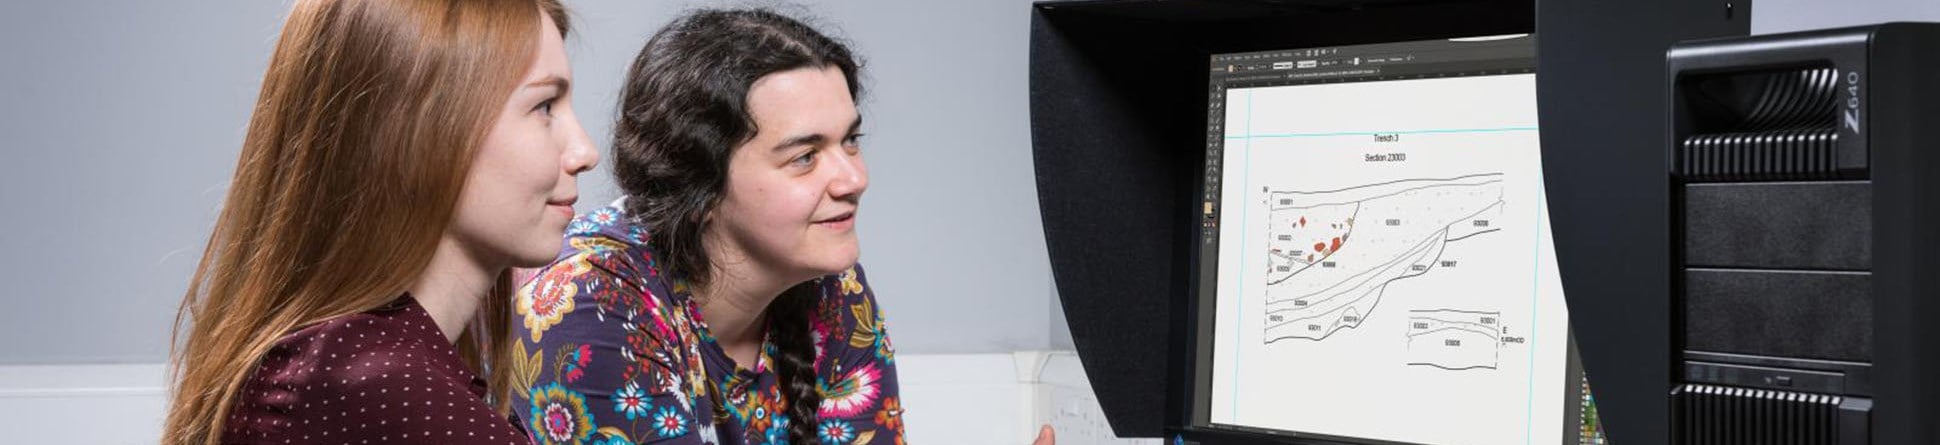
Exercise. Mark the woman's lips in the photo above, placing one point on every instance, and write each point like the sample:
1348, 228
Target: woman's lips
564, 205
840, 222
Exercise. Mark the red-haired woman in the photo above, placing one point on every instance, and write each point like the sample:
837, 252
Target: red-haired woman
402, 156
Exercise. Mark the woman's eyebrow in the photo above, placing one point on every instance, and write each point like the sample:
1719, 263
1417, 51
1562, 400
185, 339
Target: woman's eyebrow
815, 139
552, 81
806, 139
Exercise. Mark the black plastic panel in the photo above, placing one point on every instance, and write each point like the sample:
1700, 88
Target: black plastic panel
1772, 372
1801, 314
1779, 225
1603, 98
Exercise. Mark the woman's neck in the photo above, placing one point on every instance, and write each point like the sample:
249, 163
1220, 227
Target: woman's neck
451, 287
735, 299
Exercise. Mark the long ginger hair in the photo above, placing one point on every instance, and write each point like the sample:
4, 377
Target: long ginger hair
350, 172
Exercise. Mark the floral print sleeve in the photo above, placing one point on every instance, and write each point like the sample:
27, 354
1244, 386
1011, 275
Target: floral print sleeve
612, 351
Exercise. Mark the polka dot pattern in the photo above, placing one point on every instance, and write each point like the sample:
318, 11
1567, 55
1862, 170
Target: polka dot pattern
386, 376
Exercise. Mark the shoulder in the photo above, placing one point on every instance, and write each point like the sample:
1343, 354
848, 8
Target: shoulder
847, 298
373, 350
857, 365
848, 318
604, 292
607, 239
603, 264
375, 373
610, 221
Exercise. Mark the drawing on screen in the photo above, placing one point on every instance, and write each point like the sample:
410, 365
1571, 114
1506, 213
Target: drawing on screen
1333, 253
1455, 339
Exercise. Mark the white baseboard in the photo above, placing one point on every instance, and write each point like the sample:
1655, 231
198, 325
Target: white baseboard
83, 404
1001, 399
950, 398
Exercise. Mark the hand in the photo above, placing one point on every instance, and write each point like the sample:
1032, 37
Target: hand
1045, 436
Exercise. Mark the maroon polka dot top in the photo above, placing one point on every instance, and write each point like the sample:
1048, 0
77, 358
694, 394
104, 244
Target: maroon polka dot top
386, 376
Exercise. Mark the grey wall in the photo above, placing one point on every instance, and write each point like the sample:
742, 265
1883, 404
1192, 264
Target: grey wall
1776, 16
123, 119
120, 126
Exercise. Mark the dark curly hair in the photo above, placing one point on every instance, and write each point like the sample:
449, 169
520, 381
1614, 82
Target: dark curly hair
682, 113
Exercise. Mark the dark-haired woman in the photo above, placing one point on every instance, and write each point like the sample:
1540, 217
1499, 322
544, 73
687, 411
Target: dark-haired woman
720, 301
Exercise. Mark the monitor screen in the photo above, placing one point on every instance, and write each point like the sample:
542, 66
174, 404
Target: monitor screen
1375, 264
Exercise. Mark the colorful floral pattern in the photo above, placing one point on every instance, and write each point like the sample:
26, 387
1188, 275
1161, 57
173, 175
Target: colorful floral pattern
546, 300
891, 417
855, 394
602, 326
835, 432
558, 416
669, 423
850, 285
630, 401
576, 361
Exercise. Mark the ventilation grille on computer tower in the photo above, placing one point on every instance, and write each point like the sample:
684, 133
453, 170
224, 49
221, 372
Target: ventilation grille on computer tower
1783, 154
1762, 126
1723, 415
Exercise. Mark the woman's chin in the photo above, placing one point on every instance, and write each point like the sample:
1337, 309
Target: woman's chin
536, 255
838, 262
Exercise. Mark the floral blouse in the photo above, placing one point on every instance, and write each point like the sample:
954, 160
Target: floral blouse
612, 351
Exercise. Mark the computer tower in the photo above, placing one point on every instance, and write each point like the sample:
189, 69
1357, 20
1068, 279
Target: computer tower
1805, 237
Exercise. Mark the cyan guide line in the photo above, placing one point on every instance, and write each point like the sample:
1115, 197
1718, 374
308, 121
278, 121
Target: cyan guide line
1239, 308
1535, 319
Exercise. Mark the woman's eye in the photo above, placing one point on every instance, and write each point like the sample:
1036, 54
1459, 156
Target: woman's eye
852, 144
544, 108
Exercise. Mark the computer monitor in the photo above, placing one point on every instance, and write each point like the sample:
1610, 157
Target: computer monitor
1373, 262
